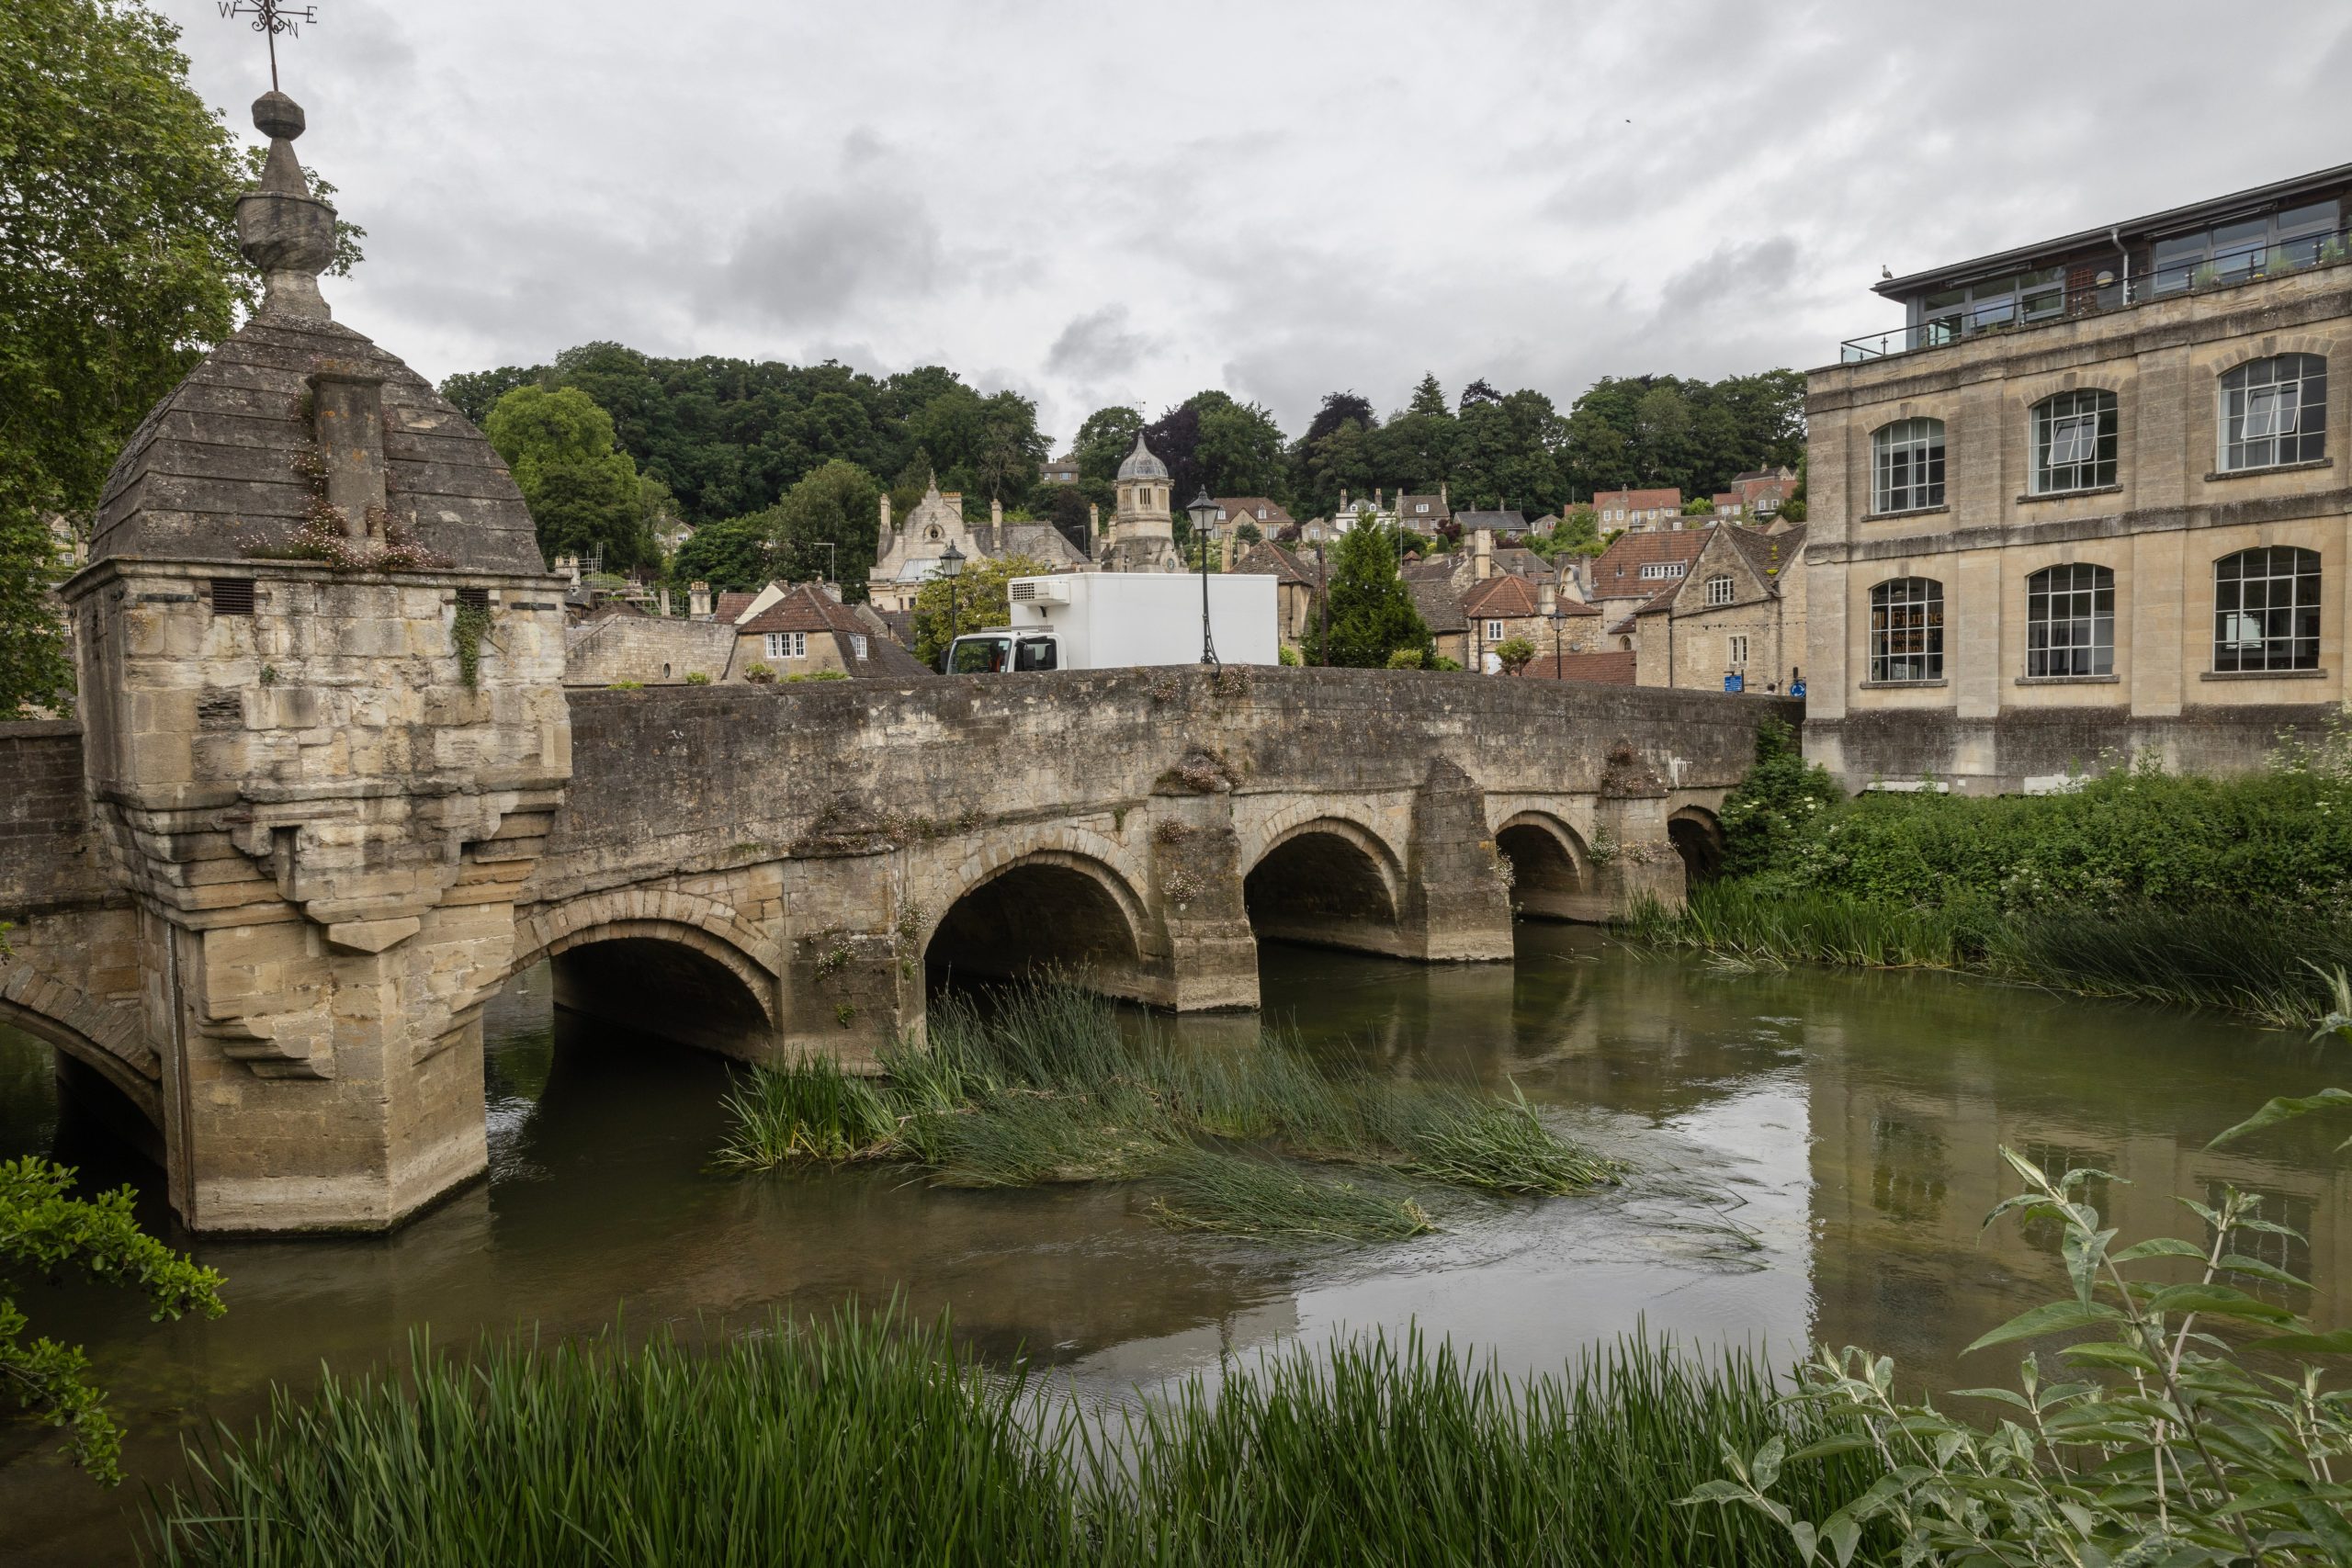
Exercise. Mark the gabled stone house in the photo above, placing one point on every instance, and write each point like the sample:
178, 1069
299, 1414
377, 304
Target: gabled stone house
1737, 615
806, 631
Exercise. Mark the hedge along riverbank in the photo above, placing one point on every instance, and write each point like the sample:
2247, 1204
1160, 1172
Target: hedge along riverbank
2186, 889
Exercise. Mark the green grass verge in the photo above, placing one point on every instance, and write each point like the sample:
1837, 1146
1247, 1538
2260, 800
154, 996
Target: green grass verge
1055, 1086
871, 1441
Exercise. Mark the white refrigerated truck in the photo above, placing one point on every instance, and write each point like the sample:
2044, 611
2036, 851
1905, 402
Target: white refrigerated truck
1106, 620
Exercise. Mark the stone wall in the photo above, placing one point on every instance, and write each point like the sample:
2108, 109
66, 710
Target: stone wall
649, 649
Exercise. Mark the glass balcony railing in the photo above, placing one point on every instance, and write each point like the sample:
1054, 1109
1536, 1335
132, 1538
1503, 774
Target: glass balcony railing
2054, 301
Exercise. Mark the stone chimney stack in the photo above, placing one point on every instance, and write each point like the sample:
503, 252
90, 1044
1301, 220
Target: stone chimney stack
662, 600
1094, 521
885, 513
1482, 552
698, 601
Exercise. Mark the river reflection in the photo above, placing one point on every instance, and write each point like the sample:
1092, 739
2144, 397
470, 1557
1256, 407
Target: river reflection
1813, 1153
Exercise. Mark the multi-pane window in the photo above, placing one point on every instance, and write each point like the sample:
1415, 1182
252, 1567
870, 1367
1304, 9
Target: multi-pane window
2070, 621
2274, 410
1736, 651
1494, 631
1662, 569
2266, 609
1907, 464
787, 645
2074, 441
1719, 588
1907, 630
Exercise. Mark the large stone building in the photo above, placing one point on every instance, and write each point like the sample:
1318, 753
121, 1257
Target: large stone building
906, 551
1143, 526
2085, 502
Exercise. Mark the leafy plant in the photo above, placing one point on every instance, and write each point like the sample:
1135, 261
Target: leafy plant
759, 673
466, 632
1516, 653
697, 678
43, 1232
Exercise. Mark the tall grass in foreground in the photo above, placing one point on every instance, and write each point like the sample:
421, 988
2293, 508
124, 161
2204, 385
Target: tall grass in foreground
2238, 961
1054, 1086
867, 1442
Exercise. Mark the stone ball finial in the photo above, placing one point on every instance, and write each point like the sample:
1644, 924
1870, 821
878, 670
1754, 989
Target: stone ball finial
278, 116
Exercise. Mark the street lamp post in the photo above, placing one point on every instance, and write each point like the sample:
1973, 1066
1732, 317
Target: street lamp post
951, 566
1203, 515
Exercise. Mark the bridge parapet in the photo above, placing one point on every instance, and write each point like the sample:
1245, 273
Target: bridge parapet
1146, 826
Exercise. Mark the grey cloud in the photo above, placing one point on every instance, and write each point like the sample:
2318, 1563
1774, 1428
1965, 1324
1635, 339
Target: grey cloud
1096, 345
526, 187
808, 259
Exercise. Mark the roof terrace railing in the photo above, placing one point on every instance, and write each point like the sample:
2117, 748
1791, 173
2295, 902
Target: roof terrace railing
2041, 304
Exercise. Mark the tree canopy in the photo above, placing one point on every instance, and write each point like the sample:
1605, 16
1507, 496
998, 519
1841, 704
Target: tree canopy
731, 436
979, 598
118, 267
584, 496
1371, 616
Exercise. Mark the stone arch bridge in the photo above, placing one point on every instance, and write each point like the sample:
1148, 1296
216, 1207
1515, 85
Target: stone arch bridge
766, 871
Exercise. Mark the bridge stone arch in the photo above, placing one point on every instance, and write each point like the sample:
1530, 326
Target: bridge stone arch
675, 963
1552, 871
1696, 834
104, 1037
1056, 900
1326, 877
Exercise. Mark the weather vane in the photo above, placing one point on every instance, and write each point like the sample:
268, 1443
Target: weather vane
271, 18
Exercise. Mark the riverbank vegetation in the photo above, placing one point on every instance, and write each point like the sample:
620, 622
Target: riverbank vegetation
2199, 891
866, 1440
45, 1232
1048, 1084
2157, 1435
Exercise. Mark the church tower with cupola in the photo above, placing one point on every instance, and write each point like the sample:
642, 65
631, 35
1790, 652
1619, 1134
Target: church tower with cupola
1143, 528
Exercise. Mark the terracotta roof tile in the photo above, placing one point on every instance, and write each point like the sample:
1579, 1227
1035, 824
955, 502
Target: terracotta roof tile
730, 604
1617, 574
1612, 669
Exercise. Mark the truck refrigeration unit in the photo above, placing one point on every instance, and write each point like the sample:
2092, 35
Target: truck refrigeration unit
1109, 620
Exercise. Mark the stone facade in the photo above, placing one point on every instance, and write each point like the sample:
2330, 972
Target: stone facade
647, 649
319, 657
2155, 525
1738, 613
1143, 524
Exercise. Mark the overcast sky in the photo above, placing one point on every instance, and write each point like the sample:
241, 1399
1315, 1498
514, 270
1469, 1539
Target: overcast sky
1096, 203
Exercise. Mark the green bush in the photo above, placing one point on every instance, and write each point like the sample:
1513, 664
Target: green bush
1289, 656
1408, 659
696, 678
2109, 888
759, 673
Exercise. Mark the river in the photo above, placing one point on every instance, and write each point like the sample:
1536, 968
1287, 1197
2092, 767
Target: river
1812, 1154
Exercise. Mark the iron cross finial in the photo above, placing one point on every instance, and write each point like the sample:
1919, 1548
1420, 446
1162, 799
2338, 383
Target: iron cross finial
271, 17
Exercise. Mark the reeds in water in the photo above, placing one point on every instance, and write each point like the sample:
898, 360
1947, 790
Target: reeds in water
1054, 1086
862, 1440
869, 1440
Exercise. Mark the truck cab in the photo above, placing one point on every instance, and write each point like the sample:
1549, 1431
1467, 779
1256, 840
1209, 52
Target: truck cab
1000, 649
